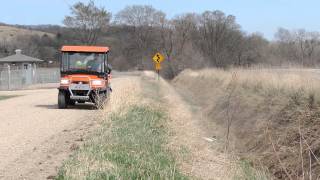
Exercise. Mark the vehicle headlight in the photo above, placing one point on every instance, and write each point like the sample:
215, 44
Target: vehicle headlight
97, 82
64, 81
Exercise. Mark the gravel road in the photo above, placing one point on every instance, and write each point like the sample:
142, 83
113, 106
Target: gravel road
35, 136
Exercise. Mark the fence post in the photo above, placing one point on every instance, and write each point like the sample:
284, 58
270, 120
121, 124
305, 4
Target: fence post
9, 77
34, 71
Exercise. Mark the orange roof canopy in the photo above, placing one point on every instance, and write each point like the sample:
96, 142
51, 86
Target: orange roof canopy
95, 49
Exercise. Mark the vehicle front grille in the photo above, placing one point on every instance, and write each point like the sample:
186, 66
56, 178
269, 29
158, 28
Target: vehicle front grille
80, 82
80, 92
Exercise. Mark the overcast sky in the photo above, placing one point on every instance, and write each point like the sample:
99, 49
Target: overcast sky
264, 16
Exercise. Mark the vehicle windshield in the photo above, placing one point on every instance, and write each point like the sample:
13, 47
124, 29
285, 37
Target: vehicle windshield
90, 62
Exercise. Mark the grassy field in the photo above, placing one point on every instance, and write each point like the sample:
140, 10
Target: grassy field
131, 144
269, 117
6, 97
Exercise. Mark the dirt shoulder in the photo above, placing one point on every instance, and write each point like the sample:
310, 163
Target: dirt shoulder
197, 153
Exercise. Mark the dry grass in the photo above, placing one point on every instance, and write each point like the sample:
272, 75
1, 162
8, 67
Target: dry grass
9, 33
83, 163
196, 156
131, 142
272, 111
262, 79
127, 93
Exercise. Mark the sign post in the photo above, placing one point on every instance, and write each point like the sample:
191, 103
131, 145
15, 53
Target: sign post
158, 58
158, 68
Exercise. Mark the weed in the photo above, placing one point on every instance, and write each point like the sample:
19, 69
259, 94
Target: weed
247, 172
311, 100
296, 96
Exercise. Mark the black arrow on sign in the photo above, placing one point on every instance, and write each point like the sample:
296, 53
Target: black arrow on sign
158, 56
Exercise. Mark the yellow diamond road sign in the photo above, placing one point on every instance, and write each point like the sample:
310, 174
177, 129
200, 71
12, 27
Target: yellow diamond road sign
158, 58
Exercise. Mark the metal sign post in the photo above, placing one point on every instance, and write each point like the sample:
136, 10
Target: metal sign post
158, 58
158, 68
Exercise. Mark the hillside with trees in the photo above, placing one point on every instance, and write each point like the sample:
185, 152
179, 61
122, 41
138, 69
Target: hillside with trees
190, 40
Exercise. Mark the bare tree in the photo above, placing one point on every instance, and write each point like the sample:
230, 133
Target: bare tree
168, 43
215, 30
307, 42
89, 20
285, 46
184, 26
144, 20
255, 49
298, 45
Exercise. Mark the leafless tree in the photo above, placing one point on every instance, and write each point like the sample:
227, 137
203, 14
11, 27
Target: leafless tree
143, 20
298, 45
256, 49
184, 26
307, 42
215, 30
167, 34
89, 20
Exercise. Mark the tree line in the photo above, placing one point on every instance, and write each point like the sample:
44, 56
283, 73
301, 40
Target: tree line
190, 40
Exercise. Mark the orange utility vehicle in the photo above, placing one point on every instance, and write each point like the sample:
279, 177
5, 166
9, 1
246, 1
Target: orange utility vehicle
85, 75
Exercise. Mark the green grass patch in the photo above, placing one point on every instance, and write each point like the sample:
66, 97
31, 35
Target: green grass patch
247, 172
129, 146
7, 97
151, 90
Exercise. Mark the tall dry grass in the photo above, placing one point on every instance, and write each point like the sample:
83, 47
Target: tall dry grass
275, 80
272, 115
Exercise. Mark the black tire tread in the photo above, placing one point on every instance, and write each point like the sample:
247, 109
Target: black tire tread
62, 102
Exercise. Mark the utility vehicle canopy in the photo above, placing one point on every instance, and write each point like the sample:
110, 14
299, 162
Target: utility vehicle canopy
84, 60
93, 49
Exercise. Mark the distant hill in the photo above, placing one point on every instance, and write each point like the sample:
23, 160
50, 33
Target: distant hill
10, 32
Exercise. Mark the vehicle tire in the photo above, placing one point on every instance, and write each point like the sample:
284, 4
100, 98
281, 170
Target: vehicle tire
62, 103
100, 100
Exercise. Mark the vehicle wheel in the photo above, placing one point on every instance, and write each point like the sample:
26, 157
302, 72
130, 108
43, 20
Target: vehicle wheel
100, 100
62, 103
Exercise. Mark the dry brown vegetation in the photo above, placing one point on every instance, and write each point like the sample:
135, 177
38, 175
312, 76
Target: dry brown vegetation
9, 33
273, 115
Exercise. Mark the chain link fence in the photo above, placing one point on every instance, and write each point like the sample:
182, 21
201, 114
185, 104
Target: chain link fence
13, 78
